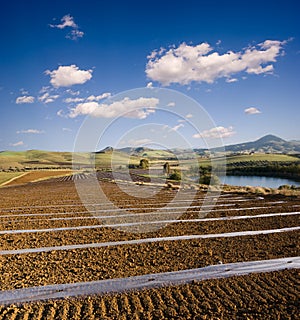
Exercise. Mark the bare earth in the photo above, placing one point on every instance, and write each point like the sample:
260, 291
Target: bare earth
55, 204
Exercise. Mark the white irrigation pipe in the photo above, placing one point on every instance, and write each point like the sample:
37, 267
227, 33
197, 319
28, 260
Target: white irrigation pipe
266, 215
118, 225
126, 209
146, 240
155, 213
167, 208
117, 215
154, 280
122, 201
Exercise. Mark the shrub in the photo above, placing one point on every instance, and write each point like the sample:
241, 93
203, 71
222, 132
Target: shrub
144, 164
176, 175
285, 186
209, 179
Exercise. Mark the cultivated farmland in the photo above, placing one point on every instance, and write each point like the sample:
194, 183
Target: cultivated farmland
59, 261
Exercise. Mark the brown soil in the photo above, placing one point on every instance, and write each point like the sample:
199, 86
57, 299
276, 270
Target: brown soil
37, 175
265, 296
257, 296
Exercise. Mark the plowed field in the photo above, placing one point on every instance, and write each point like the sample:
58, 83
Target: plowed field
47, 237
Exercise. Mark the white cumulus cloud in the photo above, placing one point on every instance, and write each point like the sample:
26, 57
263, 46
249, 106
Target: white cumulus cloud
186, 63
216, 133
25, 99
252, 110
66, 76
138, 108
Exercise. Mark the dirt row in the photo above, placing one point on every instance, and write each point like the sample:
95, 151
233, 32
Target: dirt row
257, 296
265, 296
105, 234
24, 270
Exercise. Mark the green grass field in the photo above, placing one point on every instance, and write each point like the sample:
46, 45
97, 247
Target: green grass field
45, 159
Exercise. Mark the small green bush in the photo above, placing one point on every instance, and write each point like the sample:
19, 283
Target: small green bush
144, 164
176, 175
209, 179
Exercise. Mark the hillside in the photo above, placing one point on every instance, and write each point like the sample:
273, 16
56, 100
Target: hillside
33, 158
269, 144
38, 159
266, 144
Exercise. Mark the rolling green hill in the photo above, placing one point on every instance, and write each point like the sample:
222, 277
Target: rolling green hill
269, 148
267, 144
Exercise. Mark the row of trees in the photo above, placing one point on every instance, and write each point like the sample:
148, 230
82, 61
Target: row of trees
267, 168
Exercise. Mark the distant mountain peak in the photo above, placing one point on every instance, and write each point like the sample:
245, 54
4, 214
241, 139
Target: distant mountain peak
269, 138
105, 150
266, 144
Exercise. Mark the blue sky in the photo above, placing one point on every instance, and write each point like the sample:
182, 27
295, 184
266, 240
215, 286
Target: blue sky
61, 60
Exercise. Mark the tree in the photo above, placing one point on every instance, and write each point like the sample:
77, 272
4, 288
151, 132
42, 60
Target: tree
176, 175
144, 164
166, 168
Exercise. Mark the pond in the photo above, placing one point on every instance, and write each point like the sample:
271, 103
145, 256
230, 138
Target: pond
257, 181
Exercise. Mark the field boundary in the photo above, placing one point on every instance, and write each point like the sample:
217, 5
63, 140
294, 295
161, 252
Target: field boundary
7, 183
13, 179
155, 280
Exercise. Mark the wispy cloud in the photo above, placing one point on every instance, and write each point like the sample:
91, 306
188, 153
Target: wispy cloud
231, 80
73, 100
47, 98
17, 144
66, 129
138, 142
24, 92
32, 131
149, 85
61, 113
216, 133
102, 96
75, 34
67, 21
186, 64
252, 110
73, 93
25, 99
178, 126
66, 76
171, 104
91, 98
